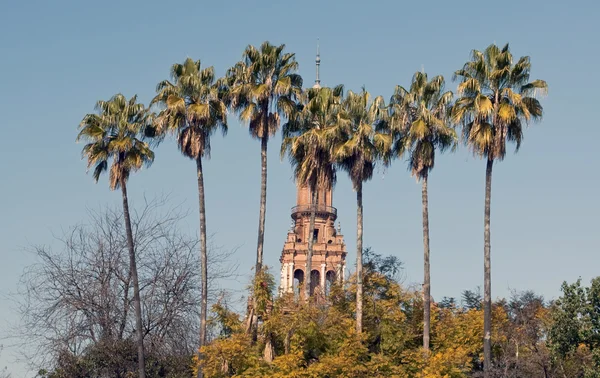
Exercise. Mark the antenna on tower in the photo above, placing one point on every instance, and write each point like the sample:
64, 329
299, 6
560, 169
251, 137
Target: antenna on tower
318, 63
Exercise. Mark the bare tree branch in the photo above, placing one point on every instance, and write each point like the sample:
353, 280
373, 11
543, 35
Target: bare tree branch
80, 294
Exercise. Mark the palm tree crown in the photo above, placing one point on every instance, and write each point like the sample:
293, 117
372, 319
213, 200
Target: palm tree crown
192, 107
311, 133
421, 122
362, 145
115, 132
264, 87
495, 98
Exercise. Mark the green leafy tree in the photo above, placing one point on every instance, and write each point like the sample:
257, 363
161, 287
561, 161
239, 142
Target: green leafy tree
496, 99
447, 303
357, 154
385, 321
575, 331
114, 134
309, 138
471, 299
422, 126
193, 109
264, 87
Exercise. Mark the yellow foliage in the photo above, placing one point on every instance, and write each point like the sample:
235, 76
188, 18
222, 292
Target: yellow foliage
315, 340
226, 357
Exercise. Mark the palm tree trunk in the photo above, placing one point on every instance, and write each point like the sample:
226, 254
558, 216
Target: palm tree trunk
252, 317
487, 275
263, 202
426, 270
268, 353
136, 286
311, 227
287, 342
203, 257
359, 258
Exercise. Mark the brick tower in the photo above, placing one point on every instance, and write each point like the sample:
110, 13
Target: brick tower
329, 251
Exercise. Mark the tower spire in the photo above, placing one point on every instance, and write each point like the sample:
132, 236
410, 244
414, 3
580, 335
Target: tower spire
318, 63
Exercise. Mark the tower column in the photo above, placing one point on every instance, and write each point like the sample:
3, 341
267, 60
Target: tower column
323, 266
290, 287
284, 278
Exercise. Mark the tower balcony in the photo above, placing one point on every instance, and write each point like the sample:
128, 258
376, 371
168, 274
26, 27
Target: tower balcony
320, 211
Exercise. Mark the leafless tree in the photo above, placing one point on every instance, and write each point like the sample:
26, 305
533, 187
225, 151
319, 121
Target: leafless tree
80, 295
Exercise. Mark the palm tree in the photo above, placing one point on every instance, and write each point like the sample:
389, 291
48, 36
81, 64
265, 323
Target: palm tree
114, 133
422, 114
308, 139
193, 109
357, 154
495, 100
263, 88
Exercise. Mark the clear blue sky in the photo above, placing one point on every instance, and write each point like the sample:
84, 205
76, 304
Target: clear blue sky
58, 58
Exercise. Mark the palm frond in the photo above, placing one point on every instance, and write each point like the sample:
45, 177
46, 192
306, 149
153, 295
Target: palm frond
535, 88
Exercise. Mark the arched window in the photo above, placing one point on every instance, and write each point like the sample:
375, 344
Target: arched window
329, 280
298, 283
315, 281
